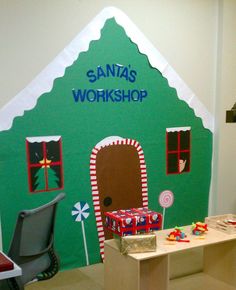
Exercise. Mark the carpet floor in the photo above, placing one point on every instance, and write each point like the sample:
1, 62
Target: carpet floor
92, 277
86, 278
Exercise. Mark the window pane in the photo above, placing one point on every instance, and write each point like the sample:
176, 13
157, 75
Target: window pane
35, 152
54, 177
38, 178
53, 150
172, 163
184, 140
185, 161
172, 141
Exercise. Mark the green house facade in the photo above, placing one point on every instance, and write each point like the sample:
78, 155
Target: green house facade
111, 124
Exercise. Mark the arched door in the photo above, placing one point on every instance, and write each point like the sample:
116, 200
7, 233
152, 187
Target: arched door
118, 179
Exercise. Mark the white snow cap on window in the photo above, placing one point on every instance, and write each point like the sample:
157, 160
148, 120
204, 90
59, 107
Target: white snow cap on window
43, 139
177, 129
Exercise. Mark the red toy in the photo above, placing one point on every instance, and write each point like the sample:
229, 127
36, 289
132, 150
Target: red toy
177, 235
199, 228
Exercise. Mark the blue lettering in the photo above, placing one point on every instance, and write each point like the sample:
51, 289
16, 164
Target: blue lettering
109, 95
132, 77
143, 94
93, 97
101, 94
117, 93
119, 66
133, 95
124, 73
110, 70
100, 72
125, 96
78, 95
90, 74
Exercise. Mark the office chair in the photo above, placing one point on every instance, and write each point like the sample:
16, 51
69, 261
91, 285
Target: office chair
32, 244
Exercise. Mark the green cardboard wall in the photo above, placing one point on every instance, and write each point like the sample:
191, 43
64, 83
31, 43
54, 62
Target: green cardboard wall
83, 124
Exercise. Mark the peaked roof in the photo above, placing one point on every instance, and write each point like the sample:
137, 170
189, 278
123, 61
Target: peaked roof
27, 98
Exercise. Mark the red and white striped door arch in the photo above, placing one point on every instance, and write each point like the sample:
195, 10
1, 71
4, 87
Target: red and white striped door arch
111, 141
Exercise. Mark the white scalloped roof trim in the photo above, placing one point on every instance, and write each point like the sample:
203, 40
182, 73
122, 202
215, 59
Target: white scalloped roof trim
27, 98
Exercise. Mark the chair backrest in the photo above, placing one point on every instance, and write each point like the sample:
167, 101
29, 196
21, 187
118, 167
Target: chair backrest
33, 238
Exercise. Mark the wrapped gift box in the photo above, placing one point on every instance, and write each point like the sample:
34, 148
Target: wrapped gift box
133, 221
138, 244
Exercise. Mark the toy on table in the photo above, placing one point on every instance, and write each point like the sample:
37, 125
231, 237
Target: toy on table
230, 222
199, 228
177, 235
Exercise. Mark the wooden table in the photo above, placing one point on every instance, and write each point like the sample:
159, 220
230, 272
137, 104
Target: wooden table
151, 271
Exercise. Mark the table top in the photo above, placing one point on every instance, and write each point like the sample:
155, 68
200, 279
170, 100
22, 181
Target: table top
165, 247
10, 273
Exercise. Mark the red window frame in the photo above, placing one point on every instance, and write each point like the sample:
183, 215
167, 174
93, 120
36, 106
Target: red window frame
178, 151
44, 165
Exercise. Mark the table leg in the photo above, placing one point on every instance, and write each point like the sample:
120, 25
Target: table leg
121, 272
154, 273
220, 261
